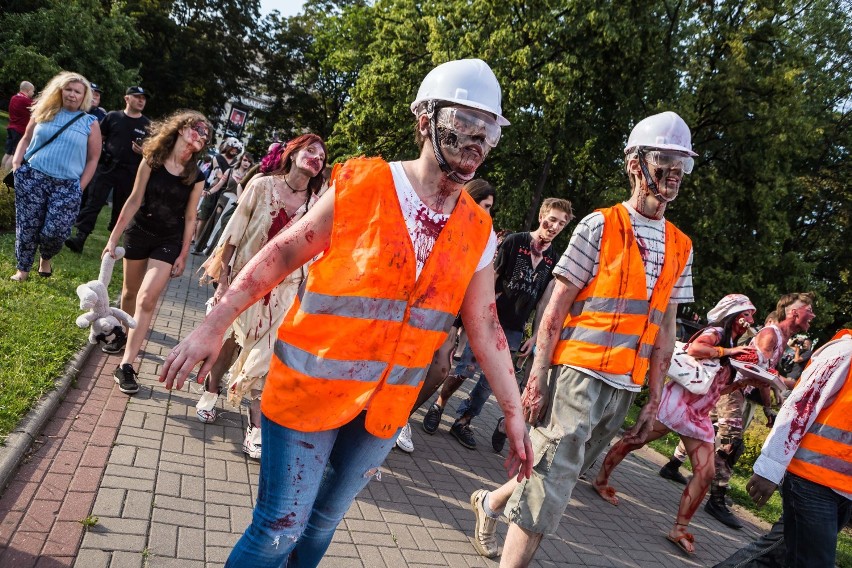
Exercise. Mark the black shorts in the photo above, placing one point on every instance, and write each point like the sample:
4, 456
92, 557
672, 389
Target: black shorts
139, 245
12, 139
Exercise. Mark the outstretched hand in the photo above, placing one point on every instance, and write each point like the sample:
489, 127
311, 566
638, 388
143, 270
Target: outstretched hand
200, 346
520, 459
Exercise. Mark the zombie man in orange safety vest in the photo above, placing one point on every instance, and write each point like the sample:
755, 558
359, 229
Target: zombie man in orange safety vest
404, 248
809, 451
609, 324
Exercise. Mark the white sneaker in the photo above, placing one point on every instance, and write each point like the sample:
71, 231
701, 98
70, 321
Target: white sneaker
404, 441
205, 408
251, 445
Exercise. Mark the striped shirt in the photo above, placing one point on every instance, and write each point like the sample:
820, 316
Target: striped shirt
65, 157
579, 265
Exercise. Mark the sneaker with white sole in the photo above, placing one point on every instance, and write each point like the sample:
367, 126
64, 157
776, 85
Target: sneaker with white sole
404, 441
205, 409
485, 533
125, 376
251, 445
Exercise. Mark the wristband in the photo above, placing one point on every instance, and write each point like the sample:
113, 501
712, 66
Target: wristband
721, 351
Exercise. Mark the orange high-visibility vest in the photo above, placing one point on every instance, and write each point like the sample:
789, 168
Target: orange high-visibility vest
825, 452
612, 326
363, 329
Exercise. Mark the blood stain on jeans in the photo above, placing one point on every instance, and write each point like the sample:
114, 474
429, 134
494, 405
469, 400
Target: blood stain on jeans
306, 445
284, 522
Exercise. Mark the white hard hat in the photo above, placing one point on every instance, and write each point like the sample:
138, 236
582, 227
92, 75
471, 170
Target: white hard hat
664, 131
468, 82
730, 304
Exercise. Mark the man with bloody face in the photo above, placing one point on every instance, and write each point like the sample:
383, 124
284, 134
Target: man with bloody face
403, 249
609, 323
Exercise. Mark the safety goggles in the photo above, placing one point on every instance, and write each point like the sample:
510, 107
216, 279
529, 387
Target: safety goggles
668, 160
470, 122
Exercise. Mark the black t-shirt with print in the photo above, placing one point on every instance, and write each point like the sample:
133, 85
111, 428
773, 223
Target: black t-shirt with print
119, 131
520, 286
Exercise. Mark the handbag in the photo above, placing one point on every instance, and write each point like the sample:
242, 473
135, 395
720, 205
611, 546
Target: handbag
9, 180
695, 375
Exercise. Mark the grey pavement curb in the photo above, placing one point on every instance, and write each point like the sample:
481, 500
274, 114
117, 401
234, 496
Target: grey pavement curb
22, 437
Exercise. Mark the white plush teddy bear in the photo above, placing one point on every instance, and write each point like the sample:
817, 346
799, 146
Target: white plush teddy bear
104, 320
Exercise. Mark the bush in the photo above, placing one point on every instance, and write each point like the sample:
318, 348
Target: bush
7, 208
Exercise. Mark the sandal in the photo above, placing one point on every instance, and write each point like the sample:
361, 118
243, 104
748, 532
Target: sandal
680, 536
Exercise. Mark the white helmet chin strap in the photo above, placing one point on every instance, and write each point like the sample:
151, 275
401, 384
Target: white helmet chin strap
432, 112
649, 181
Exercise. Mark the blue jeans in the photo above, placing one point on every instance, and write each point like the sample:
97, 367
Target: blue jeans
307, 482
813, 515
472, 406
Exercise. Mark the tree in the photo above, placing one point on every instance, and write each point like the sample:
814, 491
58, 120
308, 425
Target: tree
77, 36
196, 53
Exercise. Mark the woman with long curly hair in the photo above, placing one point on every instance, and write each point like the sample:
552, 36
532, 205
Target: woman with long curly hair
51, 167
159, 216
291, 177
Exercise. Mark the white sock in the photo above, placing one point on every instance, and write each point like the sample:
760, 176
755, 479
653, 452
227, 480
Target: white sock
487, 509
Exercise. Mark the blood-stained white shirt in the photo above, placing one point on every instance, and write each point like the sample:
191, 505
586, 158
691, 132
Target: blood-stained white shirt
818, 386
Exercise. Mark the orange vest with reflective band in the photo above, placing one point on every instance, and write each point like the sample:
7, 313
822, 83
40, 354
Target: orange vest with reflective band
825, 452
612, 326
363, 329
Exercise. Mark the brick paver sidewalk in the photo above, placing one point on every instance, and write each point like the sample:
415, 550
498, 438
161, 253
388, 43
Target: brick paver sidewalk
169, 491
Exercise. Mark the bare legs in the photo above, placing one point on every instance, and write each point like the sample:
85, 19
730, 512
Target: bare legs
144, 282
614, 456
521, 544
701, 456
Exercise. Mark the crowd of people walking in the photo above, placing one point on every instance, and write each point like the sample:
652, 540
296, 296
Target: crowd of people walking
341, 295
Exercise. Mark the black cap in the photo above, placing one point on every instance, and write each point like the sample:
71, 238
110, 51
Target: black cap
95, 87
135, 90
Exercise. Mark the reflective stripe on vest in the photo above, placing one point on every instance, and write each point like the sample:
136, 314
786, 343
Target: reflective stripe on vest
612, 325
824, 455
363, 328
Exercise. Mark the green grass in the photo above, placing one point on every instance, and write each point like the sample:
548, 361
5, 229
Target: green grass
38, 335
770, 512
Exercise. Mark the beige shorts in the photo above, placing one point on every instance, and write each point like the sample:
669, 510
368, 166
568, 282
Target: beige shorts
584, 415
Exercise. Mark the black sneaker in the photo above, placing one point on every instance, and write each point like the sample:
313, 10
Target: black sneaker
433, 418
125, 376
498, 438
116, 345
717, 508
464, 434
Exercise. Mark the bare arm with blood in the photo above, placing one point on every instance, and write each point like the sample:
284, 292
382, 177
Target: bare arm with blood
661, 358
289, 250
528, 345
535, 398
766, 342
479, 314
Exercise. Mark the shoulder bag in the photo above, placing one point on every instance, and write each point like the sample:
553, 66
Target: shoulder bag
695, 375
9, 180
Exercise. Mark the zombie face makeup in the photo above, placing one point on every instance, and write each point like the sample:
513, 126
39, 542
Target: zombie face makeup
551, 224
802, 315
462, 138
311, 158
663, 172
744, 321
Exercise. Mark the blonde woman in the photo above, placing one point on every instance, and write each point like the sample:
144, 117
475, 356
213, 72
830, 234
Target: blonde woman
159, 217
55, 159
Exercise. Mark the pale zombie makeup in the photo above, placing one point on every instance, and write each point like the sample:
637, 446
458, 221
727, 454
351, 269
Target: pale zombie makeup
466, 136
311, 158
804, 314
667, 170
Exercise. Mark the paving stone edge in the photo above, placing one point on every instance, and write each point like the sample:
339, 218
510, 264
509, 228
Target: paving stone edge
20, 440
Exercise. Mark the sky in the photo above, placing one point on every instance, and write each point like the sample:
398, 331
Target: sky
286, 7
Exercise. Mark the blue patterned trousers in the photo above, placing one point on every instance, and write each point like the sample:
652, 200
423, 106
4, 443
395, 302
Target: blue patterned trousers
45, 211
